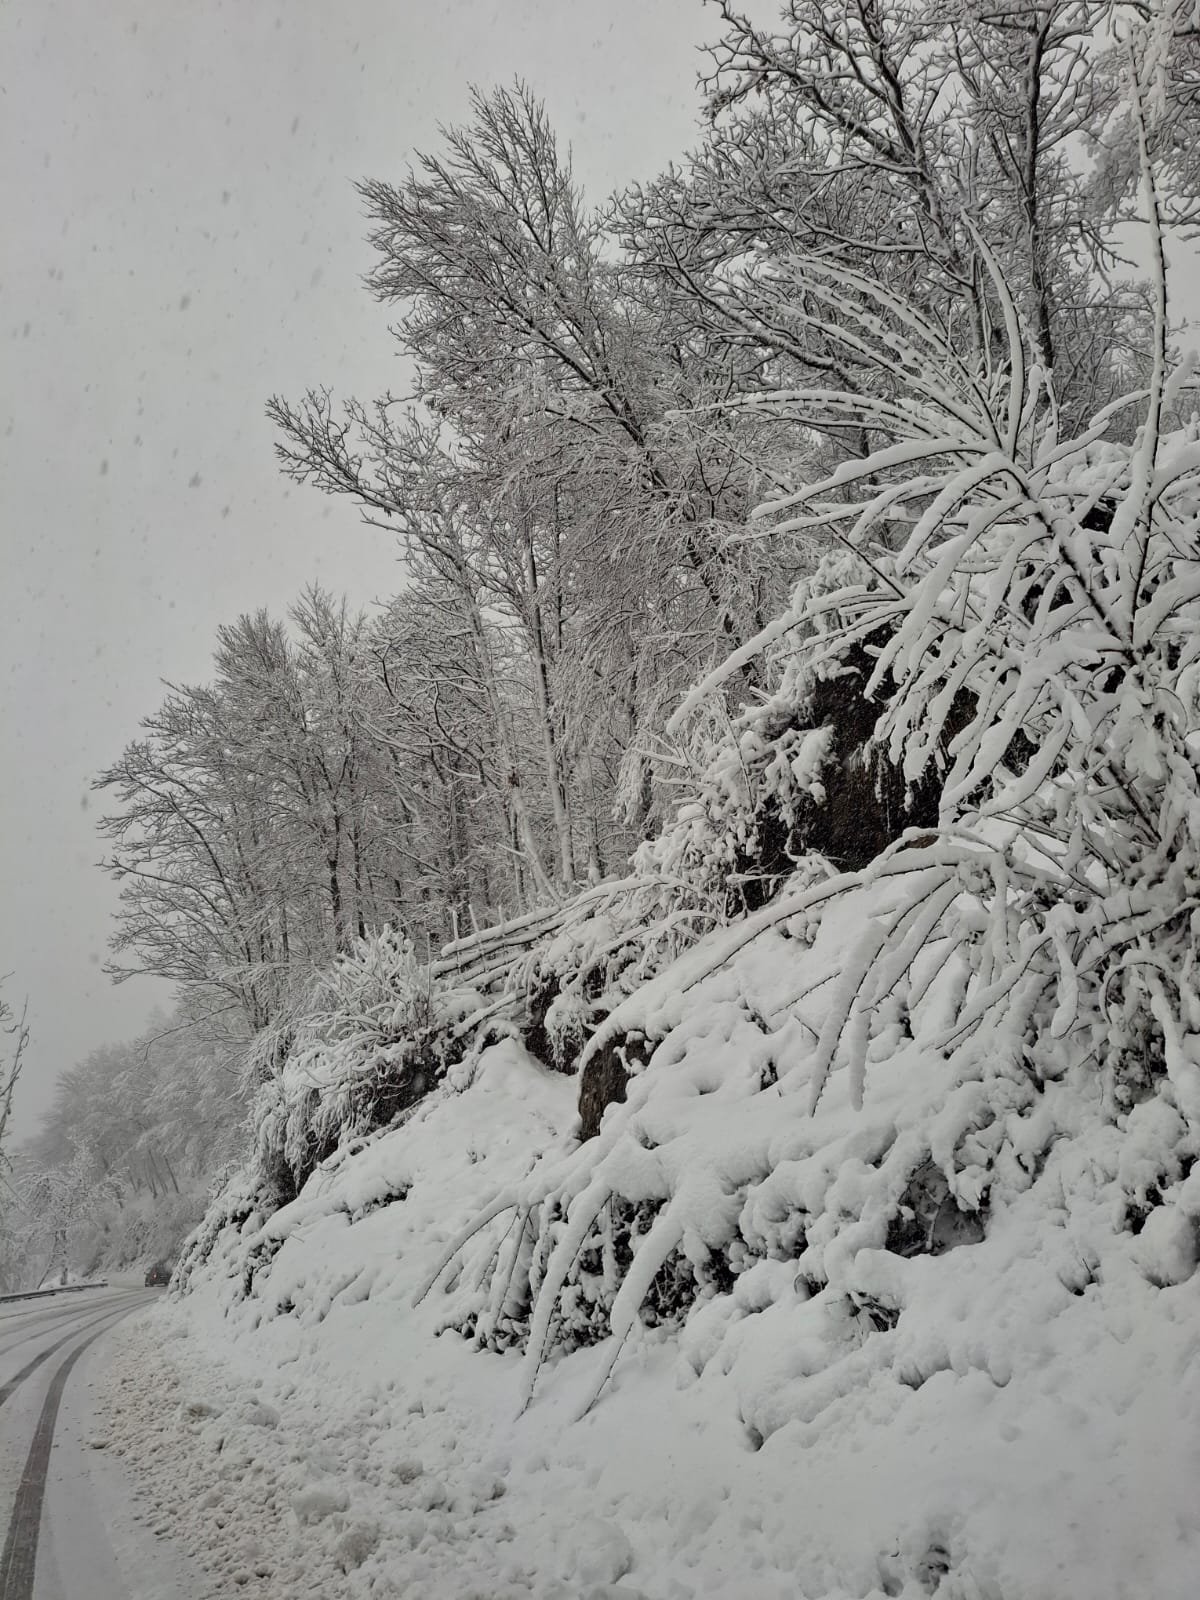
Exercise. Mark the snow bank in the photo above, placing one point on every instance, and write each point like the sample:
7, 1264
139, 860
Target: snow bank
945, 1343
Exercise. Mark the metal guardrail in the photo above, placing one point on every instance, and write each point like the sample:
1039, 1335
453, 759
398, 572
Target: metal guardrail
59, 1288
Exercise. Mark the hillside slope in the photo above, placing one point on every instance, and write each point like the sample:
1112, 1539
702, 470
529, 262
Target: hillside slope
945, 1343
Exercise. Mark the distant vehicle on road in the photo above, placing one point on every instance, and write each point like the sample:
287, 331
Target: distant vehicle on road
159, 1274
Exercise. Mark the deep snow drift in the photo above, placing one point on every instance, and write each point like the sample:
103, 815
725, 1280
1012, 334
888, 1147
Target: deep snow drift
944, 1343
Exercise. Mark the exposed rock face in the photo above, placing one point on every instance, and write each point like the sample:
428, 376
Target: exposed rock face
605, 1078
867, 803
929, 1220
543, 991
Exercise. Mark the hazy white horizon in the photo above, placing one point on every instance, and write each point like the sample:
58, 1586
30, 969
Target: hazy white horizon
183, 239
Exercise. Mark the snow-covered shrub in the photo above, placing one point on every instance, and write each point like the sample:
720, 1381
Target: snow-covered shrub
787, 779
375, 1036
242, 1204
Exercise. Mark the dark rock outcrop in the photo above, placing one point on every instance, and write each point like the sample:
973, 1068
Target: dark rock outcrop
605, 1078
867, 802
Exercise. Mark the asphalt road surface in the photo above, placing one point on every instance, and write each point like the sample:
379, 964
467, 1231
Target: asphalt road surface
66, 1519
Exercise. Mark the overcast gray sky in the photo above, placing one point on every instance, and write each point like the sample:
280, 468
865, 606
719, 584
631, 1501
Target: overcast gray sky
180, 239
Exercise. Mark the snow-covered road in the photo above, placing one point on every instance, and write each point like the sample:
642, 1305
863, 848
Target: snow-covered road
66, 1516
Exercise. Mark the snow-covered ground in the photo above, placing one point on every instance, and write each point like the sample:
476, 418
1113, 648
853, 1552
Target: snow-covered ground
101, 1537
1029, 1430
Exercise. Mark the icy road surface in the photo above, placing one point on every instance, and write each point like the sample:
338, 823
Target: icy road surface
66, 1514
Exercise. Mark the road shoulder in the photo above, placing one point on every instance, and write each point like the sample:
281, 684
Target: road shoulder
100, 1535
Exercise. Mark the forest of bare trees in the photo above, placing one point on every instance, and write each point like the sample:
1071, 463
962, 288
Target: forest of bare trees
604, 394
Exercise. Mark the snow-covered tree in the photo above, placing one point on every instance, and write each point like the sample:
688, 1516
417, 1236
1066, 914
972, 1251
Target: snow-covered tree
14, 1036
14, 1040
891, 136
563, 475
124, 1160
811, 1044
257, 832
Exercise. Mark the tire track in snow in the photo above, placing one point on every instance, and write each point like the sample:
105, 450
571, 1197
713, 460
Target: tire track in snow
30, 1328
19, 1558
77, 1327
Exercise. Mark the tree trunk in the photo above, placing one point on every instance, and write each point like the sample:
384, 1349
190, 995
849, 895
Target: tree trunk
555, 782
